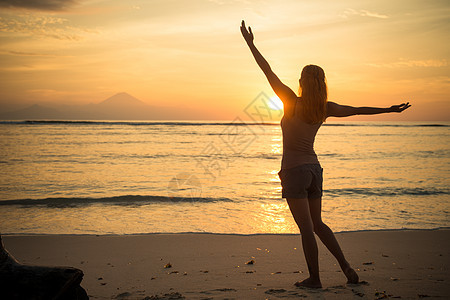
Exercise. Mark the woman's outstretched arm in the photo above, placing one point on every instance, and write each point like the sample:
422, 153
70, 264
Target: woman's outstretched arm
337, 110
283, 92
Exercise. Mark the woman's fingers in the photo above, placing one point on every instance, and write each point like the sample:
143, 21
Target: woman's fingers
401, 107
243, 29
405, 105
246, 33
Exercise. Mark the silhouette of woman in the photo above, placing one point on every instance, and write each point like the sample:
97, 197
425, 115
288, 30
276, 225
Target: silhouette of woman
301, 173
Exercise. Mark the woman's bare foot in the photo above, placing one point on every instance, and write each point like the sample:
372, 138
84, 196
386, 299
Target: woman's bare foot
309, 283
351, 275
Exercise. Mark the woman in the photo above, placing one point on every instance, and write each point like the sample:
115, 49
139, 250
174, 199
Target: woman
301, 173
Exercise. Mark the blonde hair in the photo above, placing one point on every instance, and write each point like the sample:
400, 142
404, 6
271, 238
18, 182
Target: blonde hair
313, 91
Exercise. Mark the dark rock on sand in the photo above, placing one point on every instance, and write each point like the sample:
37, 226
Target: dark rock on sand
18, 281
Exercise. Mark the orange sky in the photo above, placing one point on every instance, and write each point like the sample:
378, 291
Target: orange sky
191, 53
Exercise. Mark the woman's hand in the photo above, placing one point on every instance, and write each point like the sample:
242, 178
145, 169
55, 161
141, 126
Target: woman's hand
247, 34
399, 108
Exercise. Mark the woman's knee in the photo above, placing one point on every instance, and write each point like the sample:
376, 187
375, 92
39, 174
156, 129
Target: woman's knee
306, 227
319, 226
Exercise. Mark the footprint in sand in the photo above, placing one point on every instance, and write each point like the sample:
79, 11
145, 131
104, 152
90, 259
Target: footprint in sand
282, 293
170, 296
209, 292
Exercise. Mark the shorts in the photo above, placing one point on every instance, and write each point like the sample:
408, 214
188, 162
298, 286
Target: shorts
304, 181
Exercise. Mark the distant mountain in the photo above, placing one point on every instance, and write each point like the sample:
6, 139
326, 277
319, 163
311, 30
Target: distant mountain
121, 99
121, 106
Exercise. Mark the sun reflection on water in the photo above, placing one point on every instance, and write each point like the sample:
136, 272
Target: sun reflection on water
275, 218
273, 177
276, 146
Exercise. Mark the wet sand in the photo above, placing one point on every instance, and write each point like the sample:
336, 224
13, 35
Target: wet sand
406, 264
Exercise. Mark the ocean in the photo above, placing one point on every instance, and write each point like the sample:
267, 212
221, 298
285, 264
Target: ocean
129, 177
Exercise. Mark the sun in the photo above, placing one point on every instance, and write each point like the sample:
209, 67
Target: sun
275, 103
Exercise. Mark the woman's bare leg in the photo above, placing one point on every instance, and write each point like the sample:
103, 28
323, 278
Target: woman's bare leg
301, 213
327, 237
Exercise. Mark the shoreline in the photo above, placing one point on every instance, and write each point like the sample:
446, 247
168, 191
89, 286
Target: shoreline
216, 233
401, 263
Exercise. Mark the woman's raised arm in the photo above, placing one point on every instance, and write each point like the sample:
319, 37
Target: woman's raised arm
337, 110
283, 92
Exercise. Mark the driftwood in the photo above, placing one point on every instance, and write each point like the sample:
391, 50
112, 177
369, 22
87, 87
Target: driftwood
18, 281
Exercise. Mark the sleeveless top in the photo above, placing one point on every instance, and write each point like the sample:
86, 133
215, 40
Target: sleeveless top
298, 142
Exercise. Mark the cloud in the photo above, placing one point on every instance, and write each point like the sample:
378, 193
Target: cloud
425, 63
52, 5
21, 53
362, 13
41, 26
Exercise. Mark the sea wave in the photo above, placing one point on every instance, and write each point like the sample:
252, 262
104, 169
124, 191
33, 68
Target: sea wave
387, 191
205, 123
127, 200
139, 200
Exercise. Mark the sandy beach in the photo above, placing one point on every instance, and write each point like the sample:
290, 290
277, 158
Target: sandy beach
406, 264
